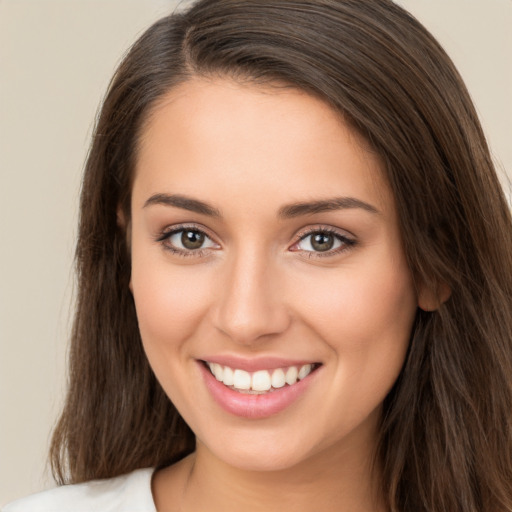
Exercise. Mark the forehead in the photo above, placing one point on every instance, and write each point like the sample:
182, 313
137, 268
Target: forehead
253, 138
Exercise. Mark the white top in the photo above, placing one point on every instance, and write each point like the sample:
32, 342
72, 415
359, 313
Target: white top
127, 493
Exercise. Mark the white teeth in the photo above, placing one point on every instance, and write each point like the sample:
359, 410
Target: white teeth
291, 375
218, 371
278, 379
261, 381
304, 371
241, 379
228, 376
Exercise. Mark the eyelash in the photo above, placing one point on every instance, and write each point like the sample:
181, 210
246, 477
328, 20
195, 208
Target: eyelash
347, 243
164, 237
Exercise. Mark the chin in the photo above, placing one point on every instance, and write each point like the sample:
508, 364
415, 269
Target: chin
261, 462
260, 453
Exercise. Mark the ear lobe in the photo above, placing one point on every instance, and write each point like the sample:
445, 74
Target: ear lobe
125, 227
121, 219
431, 299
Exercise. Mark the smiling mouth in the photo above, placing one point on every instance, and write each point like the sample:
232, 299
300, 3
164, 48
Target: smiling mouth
261, 381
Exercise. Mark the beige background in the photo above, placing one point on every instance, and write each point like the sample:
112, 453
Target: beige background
56, 57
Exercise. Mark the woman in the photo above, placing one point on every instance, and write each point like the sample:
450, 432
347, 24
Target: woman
295, 274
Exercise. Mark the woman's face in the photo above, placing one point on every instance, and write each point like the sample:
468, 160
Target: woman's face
265, 244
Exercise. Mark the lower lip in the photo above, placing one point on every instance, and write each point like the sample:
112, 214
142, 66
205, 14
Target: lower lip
254, 406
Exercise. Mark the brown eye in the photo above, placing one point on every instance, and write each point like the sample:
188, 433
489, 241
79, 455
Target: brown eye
192, 239
322, 242
188, 240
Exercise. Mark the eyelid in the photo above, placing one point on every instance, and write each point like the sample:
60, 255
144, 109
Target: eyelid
348, 240
164, 236
176, 228
324, 228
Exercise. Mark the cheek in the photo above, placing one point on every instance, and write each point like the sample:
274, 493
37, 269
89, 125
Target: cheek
356, 306
366, 319
365, 316
171, 302
170, 299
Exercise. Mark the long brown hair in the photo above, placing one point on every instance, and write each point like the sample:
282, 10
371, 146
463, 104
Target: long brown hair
446, 437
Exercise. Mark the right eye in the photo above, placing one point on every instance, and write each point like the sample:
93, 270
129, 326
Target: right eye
187, 241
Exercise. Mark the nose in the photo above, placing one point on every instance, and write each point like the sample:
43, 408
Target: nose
250, 304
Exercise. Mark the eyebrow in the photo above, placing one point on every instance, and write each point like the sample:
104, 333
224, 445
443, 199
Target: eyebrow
285, 212
183, 202
325, 205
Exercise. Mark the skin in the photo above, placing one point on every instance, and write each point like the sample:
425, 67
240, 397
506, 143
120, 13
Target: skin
258, 289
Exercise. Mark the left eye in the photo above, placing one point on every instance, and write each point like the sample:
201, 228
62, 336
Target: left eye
190, 240
320, 241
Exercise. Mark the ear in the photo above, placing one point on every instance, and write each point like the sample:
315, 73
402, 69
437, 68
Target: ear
121, 218
430, 299
125, 226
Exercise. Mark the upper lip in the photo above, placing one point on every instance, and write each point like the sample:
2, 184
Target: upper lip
255, 364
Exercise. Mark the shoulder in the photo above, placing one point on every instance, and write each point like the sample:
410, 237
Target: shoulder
126, 493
